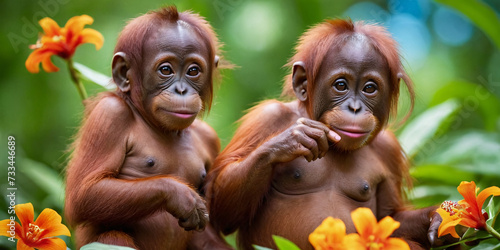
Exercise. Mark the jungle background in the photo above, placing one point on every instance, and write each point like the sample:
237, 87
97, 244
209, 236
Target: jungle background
450, 49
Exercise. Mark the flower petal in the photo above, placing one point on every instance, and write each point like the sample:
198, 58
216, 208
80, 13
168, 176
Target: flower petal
468, 191
92, 36
396, 244
337, 232
448, 224
50, 27
471, 222
25, 214
33, 61
50, 221
39, 56
4, 229
75, 24
48, 66
495, 191
51, 244
22, 246
329, 234
364, 221
449, 229
354, 241
386, 227
58, 48
317, 240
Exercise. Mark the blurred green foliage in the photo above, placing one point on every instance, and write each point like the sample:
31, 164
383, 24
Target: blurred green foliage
452, 135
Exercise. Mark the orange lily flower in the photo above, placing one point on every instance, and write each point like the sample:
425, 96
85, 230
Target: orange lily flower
372, 235
467, 212
449, 211
38, 234
61, 42
329, 235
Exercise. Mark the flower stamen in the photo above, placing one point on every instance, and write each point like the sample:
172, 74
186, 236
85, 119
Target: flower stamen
453, 208
373, 244
34, 232
450, 206
38, 44
57, 38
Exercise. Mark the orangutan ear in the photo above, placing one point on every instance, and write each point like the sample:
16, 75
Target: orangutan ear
299, 80
120, 70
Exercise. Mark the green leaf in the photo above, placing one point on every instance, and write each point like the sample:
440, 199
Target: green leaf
468, 150
493, 209
489, 244
477, 236
284, 244
423, 191
475, 98
471, 232
100, 246
260, 248
428, 201
231, 240
421, 129
46, 178
480, 14
440, 173
94, 76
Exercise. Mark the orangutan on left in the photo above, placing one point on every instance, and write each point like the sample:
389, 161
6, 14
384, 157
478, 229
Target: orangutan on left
141, 155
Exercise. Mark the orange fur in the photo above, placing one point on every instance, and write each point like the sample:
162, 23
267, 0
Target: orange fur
239, 187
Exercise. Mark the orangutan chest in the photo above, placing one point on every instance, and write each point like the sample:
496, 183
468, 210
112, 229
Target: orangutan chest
347, 175
178, 157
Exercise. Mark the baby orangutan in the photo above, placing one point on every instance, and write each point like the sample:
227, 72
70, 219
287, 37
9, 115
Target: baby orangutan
141, 155
345, 78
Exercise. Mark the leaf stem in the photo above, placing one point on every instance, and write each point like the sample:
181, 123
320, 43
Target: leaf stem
492, 231
76, 79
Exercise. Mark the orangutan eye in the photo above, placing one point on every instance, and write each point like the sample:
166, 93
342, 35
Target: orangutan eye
166, 70
194, 71
370, 88
340, 85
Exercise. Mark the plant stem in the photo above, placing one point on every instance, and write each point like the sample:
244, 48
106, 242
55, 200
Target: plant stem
492, 231
76, 79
